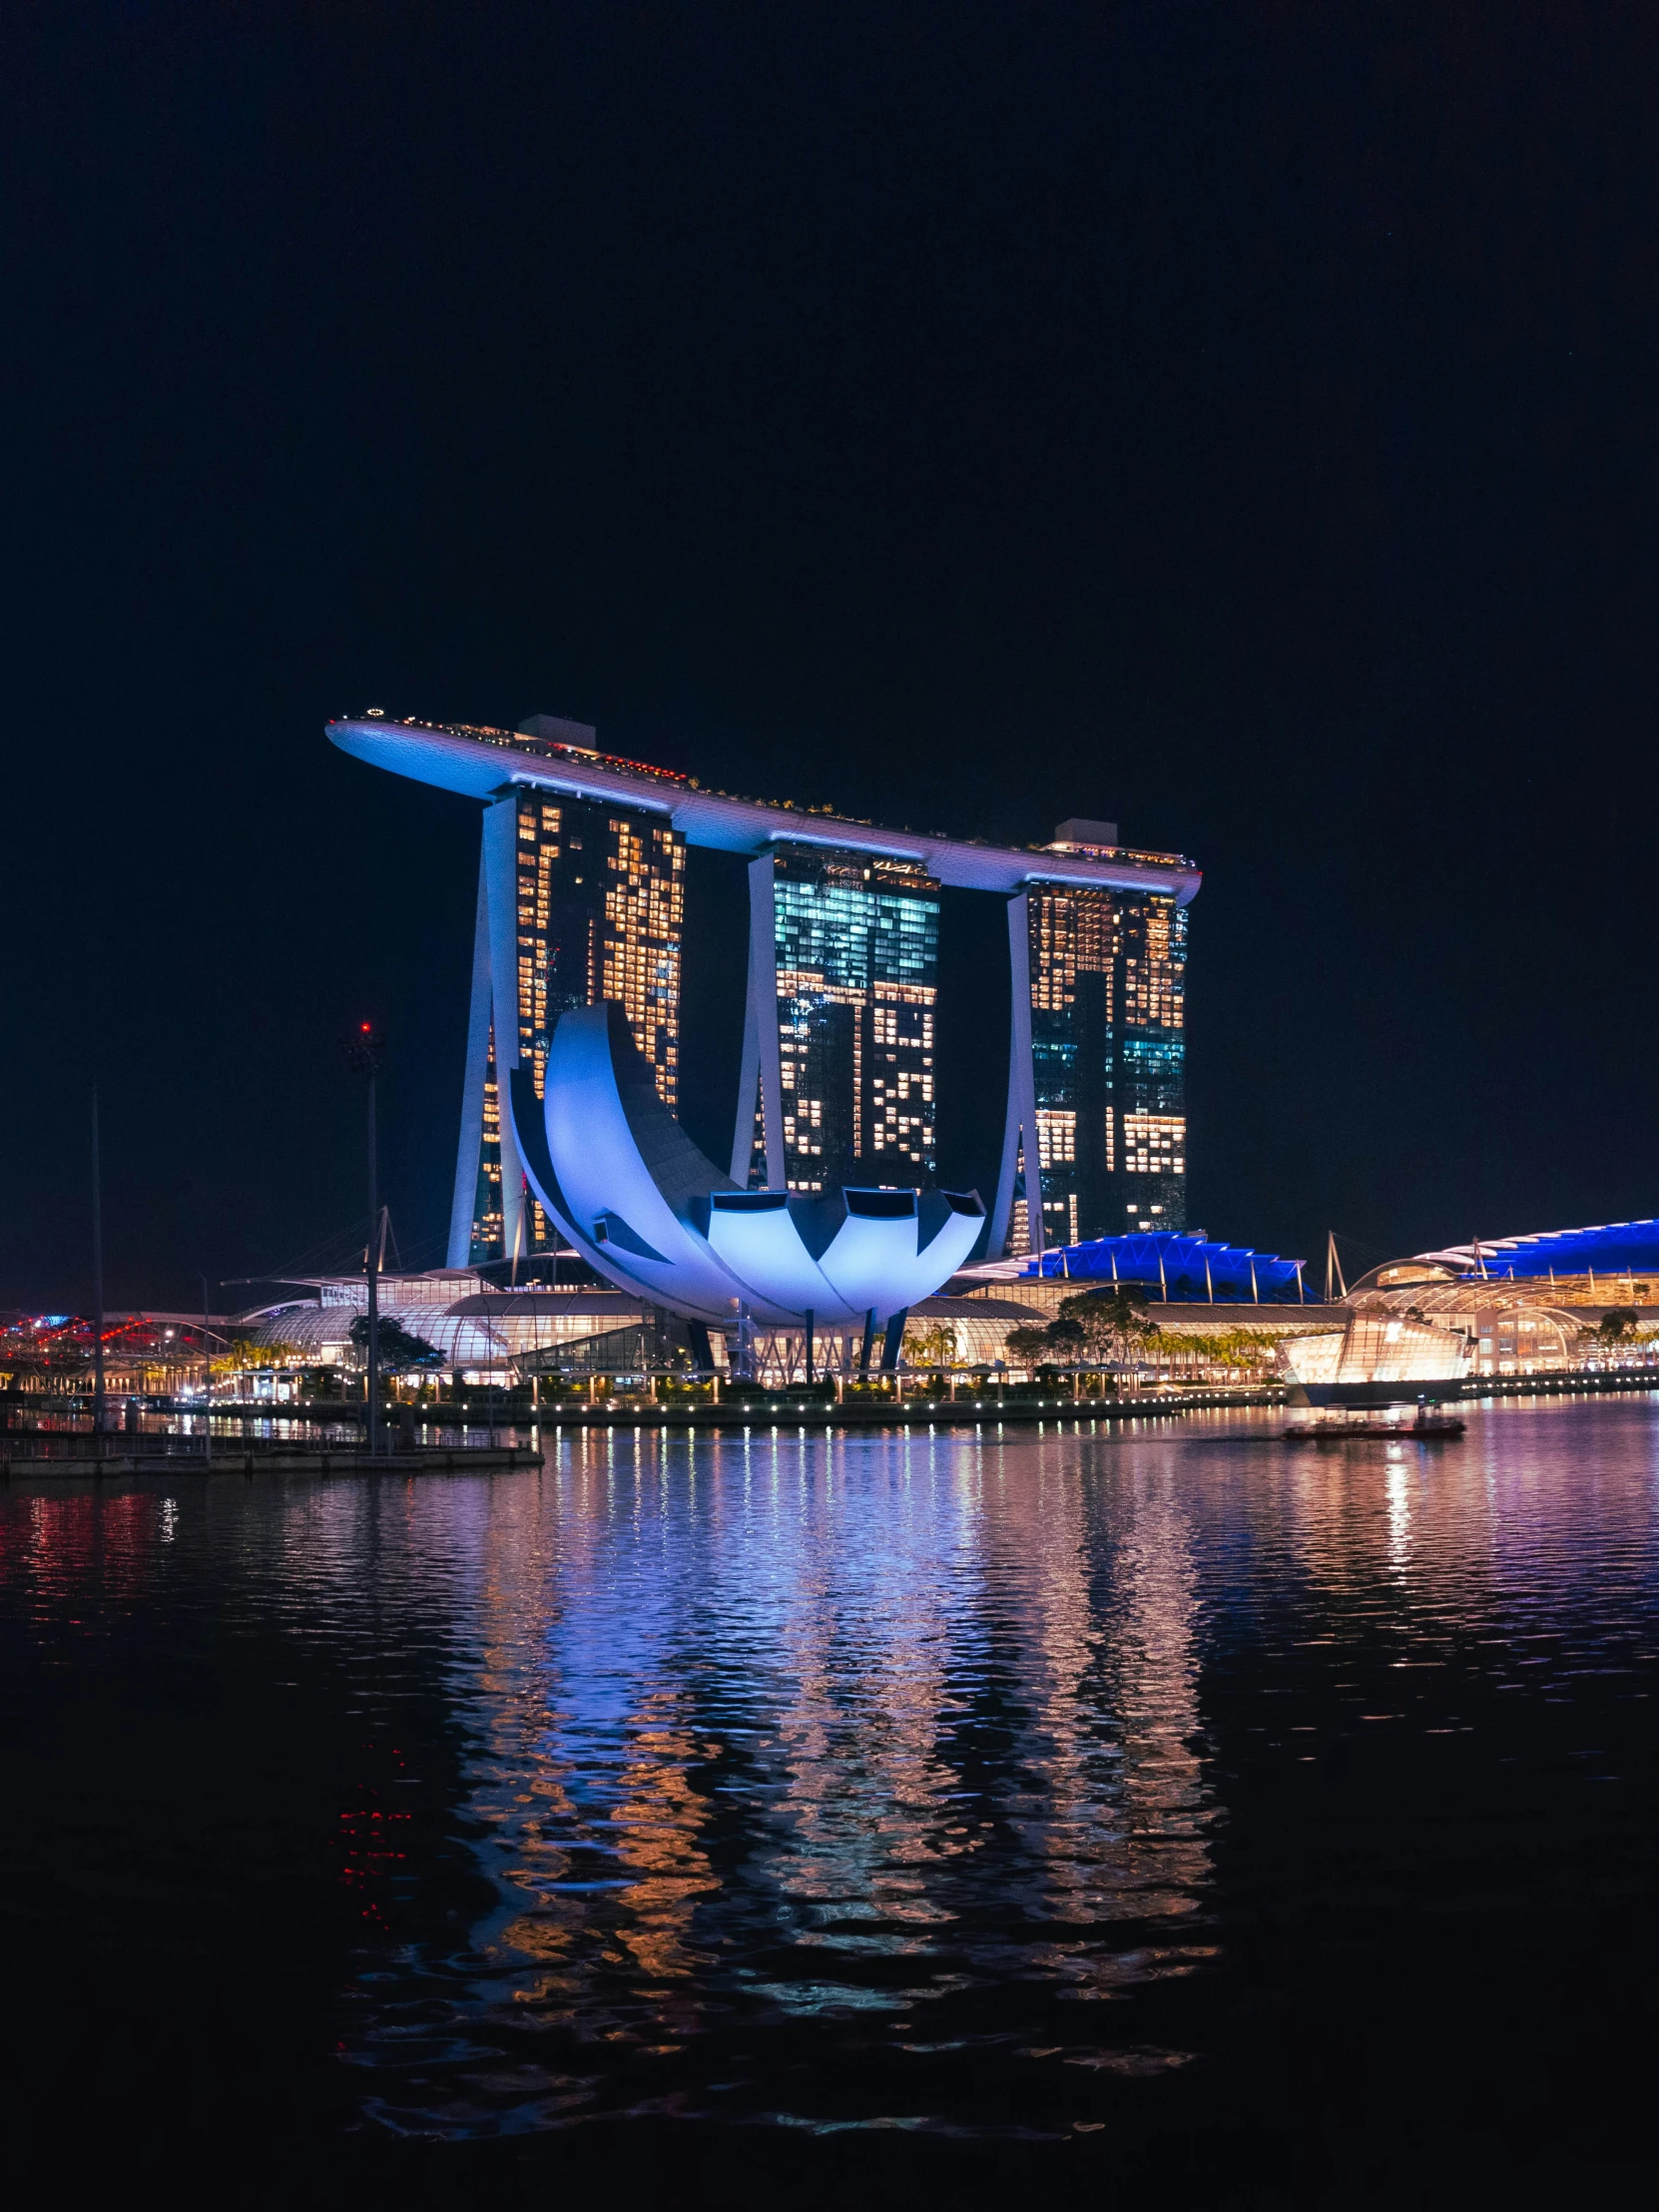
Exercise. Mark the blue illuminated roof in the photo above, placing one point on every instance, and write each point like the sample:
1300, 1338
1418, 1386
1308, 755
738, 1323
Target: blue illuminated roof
1183, 1268
1616, 1248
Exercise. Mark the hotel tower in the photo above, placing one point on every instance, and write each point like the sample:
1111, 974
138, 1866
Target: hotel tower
581, 898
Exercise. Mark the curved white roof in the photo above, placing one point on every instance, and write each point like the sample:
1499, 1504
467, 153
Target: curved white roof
644, 1207
472, 762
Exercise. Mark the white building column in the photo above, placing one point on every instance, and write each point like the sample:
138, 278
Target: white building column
472, 1089
1022, 1120
761, 1065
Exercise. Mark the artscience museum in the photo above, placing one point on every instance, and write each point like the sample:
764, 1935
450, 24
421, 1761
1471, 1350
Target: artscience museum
646, 1209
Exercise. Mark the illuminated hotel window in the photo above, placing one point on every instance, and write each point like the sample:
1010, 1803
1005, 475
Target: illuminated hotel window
857, 955
1108, 1049
612, 931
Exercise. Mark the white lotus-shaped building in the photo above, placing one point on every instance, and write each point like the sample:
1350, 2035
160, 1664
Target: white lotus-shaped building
640, 1201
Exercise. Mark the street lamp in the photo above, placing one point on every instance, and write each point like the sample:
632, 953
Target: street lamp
365, 1051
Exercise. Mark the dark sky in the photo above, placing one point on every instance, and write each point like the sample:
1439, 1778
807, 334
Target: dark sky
1235, 420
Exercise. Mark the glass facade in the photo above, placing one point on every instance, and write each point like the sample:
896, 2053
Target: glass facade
600, 906
1108, 1050
857, 950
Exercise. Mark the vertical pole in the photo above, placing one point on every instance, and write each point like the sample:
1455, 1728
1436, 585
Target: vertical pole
369, 1263
207, 1383
808, 1347
97, 1276
870, 1343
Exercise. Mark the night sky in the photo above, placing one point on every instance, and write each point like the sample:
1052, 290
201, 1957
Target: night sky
1236, 421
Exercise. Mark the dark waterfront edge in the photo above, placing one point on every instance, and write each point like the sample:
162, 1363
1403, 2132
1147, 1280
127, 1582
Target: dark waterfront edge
260, 1455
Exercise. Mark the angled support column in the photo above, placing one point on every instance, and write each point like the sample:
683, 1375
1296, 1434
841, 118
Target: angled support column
892, 1342
465, 1200
762, 1061
1021, 1118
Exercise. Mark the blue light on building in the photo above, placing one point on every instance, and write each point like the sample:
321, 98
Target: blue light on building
1184, 1268
1614, 1249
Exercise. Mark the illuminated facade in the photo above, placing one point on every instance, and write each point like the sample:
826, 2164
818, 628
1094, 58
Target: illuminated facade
578, 902
1104, 969
581, 900
854, 997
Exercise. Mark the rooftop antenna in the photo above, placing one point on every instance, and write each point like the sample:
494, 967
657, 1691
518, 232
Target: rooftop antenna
1208, 1285
1255, 1294
1333, 1263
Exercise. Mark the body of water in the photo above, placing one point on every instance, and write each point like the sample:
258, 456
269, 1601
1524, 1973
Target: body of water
1160, 1811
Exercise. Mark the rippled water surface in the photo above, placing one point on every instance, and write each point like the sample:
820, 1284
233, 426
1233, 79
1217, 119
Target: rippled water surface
1007, 1789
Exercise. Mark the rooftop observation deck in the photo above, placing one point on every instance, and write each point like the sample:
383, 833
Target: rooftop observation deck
480, 763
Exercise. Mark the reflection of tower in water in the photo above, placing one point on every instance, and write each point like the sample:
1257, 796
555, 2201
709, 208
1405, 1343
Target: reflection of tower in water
870, 1811
1116, 1830
1153, 1668
830, 1730
587, 1771
927, 1724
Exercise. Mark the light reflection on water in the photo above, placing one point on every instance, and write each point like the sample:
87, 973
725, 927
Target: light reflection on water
932, 1779
815, 1729
898, 1743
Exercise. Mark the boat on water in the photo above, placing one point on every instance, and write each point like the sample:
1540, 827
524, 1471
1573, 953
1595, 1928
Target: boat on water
1383, 1374
1338, 1426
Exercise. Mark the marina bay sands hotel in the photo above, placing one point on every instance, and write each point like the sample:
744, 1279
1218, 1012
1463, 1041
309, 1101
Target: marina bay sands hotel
593, 885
